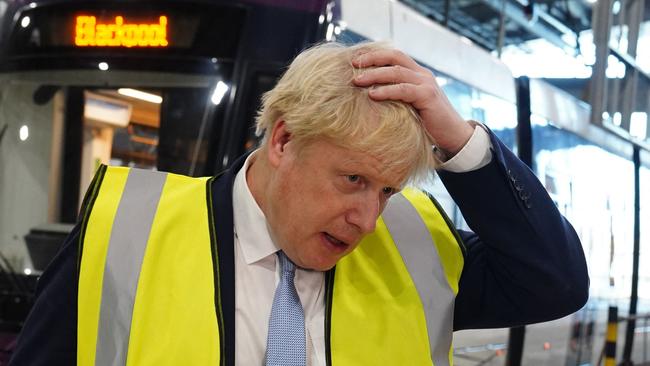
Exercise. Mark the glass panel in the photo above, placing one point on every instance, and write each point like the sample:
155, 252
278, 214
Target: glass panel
591, 187
27, 130
460, 95
44, 168
168, 130
499, 115
644, 260
187, 122
641, 346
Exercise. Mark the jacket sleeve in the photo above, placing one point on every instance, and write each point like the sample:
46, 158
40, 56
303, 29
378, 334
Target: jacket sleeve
49, 336
524, 262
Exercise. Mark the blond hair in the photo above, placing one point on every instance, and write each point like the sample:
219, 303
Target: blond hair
317, 99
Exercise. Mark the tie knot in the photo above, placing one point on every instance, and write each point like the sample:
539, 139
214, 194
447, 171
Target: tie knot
286, 265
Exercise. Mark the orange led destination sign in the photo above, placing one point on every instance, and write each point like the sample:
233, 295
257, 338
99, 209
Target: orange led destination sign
90, 33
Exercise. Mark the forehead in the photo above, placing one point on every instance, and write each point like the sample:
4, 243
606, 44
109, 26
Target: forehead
346, 160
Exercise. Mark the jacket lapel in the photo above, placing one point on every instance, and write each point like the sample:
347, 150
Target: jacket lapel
220, 193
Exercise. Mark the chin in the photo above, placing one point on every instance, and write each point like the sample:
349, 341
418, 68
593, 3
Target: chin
320, 256
321, 264
323, 267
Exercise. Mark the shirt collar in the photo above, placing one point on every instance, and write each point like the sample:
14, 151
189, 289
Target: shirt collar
250, 223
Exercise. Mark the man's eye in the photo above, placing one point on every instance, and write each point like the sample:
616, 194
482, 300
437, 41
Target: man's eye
388, 191
353, 178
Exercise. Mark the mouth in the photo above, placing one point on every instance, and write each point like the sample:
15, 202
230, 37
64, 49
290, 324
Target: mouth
335, 244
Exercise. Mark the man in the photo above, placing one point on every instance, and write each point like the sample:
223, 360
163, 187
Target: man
284, 259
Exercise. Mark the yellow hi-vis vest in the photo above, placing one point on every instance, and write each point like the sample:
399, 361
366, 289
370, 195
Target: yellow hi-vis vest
148, 295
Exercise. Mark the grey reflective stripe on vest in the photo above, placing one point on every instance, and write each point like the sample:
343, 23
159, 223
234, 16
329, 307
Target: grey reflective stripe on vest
129, 236
420, 255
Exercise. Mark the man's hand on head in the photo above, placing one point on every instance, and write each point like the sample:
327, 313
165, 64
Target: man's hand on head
397, 76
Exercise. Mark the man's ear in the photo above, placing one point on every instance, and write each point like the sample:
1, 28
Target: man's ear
277, 142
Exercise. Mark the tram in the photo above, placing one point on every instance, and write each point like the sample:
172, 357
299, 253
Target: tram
175, 85
167, 85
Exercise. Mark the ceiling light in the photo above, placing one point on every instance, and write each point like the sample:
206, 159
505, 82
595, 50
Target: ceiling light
219, 91
23, 133
330, 32
639, 124
138, 94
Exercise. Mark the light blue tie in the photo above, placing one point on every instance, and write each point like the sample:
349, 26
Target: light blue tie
285, 344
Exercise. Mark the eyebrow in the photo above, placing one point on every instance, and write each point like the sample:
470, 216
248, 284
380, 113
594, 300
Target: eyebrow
354, 163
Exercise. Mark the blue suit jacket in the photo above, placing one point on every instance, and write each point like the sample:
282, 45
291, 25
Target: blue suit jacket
523, 262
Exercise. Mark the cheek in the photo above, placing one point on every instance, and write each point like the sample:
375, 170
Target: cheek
294, 207
307, 203
306, 195
321, 203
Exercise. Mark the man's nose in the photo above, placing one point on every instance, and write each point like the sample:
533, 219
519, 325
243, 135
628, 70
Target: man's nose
364, 214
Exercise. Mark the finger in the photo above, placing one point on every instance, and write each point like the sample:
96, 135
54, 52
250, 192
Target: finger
388, 75
408, 93
384, 57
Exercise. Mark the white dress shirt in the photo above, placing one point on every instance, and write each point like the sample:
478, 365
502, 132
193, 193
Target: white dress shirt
257, 273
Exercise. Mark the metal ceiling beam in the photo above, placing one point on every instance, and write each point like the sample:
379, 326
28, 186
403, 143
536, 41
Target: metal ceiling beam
634, 16
542, 30
458, 24
601, 25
